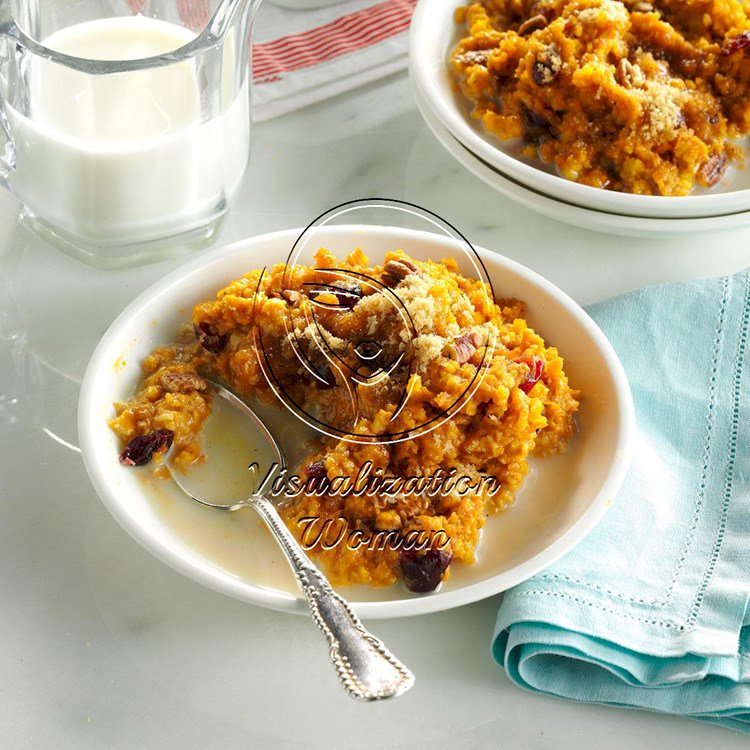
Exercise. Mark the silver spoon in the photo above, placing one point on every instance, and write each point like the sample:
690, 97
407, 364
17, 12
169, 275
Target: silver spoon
366, 668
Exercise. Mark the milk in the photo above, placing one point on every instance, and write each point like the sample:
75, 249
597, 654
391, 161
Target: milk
124, 158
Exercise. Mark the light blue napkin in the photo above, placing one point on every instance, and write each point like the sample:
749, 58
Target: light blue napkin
651, 609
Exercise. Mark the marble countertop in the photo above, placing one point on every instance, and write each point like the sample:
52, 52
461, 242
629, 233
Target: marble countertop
102, 645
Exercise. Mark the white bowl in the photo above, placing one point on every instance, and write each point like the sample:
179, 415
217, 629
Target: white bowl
559, 504
600, 221
432, 38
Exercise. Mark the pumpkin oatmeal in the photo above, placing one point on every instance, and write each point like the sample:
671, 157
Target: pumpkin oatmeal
643, 96
410, 370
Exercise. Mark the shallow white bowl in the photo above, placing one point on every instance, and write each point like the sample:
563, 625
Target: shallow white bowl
433, 36
600, 221
560, 503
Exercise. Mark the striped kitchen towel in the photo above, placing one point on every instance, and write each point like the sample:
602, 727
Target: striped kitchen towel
301, 57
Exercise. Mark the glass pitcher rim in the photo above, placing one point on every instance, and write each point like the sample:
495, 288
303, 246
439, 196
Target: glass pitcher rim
212, 35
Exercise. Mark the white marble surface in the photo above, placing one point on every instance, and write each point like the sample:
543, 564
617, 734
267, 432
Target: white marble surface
102, 645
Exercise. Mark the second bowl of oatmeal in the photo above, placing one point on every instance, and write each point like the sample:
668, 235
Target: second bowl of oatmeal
638, 109
543, 514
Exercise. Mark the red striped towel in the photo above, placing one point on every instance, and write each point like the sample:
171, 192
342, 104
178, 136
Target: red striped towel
303, 57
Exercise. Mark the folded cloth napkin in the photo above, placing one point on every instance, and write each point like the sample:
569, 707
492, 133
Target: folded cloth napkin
651, 609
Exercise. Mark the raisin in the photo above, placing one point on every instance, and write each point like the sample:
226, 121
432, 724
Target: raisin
347, 294
536, 369
208, 338
317, 470
736, 43
536, 128
423, 571
547, 65
140, 450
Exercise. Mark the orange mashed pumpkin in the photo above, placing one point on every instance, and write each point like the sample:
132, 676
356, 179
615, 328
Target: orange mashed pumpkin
643, 96
425, 373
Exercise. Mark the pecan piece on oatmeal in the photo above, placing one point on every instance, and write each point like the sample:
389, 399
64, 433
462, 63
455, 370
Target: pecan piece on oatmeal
547, 65
464, 346
530, 25
712, 170
472, 57
209, 339
395, 271
630, 75
291, 296
182, 382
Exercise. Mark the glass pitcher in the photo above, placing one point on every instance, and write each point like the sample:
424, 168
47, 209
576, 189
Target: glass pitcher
125, 124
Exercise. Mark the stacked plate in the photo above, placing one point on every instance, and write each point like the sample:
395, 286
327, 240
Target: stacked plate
433, 36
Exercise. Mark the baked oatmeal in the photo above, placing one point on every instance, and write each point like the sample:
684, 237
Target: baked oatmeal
643, 96
410, 370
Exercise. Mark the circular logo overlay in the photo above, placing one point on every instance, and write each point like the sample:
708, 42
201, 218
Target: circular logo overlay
360, 340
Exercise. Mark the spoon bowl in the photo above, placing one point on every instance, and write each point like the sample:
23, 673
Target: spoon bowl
366, 668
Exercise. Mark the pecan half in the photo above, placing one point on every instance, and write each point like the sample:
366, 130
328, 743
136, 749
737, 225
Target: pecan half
712, 170
395, 271
465, 345
182, 382
547, 65
530, 25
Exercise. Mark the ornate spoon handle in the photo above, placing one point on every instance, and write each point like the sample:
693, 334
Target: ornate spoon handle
366, 668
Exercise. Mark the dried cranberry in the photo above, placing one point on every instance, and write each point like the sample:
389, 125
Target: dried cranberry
140, 450
423, 571
317, 470
736, 43
536, 369
208, 338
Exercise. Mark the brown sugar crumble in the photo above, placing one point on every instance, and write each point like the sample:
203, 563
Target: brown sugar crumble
640, 97
522, 405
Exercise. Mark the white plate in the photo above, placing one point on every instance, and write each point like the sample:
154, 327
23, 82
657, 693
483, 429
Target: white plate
433, 36
601, 221
560, 503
